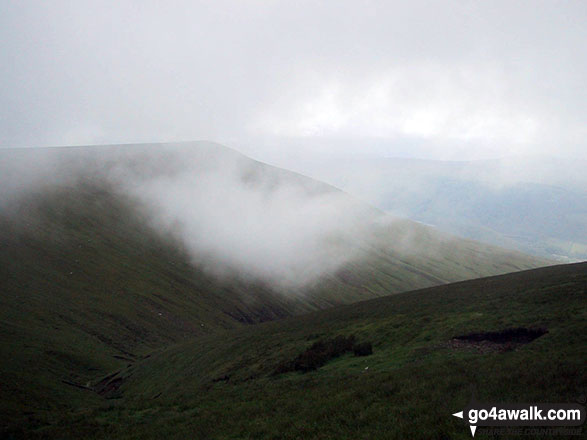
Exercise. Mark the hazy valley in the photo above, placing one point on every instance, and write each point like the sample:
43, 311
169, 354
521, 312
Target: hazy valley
536, 205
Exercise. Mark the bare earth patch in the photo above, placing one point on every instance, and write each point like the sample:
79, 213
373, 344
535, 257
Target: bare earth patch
504, 340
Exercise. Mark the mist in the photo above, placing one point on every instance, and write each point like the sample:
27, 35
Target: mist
237, 215
234, 216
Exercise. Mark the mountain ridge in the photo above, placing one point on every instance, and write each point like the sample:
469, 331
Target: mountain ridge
90, 281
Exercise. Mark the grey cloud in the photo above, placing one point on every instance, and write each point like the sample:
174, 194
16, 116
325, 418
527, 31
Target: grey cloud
493, 76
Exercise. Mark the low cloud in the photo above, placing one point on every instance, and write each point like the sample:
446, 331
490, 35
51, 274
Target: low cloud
234, 214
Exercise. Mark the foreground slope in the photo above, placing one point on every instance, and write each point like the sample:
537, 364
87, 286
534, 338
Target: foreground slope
226, 385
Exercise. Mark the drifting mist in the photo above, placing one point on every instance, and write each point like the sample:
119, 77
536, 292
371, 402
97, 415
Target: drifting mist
232, 212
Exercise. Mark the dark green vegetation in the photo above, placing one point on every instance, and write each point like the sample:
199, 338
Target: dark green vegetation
323, 351
223, 385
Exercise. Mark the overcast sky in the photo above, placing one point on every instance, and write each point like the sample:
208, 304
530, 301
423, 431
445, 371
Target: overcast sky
447, 79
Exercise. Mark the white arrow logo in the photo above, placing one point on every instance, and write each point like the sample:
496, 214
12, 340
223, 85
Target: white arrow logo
460, 416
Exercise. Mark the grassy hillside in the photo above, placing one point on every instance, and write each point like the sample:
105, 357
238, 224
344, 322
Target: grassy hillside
90, 284
225, 385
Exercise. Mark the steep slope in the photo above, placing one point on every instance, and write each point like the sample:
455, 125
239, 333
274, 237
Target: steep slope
228, 385
92, 277
86, 286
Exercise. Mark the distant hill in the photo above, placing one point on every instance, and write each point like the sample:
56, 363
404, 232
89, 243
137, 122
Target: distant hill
110, 253
534, 205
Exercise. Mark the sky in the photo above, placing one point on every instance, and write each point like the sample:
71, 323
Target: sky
430, 79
